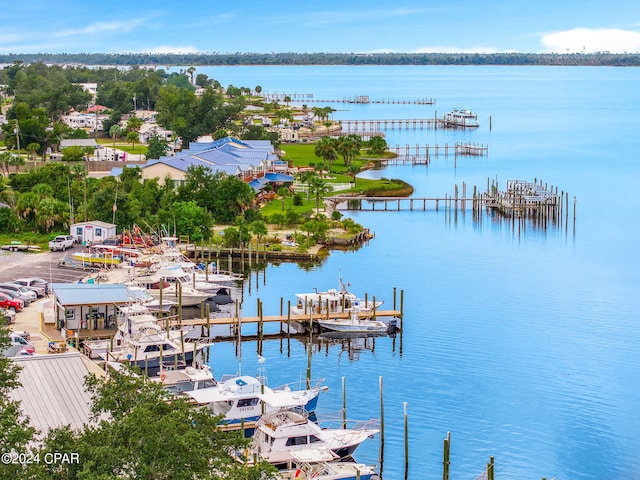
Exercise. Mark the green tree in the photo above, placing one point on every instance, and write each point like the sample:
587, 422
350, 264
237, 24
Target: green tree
157, 147
190, 219
377, 145
307, 177
259, 229
8, 159
283, 193
349, 148
74, 153
353, 171
232, 197
133, 137
326, 148
319, 188
134, 124
136, 421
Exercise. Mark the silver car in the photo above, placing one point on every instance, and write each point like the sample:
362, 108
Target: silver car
21, 292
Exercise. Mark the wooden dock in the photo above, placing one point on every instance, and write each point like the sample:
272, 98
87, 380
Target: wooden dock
356, 126
256, 319
521, 199
309, 97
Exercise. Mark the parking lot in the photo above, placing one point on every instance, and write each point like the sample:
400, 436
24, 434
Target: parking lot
44, 265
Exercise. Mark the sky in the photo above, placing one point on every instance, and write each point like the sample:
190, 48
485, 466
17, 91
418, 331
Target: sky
353, 26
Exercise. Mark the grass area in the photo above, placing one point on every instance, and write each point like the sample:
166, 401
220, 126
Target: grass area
29, 238
138, 149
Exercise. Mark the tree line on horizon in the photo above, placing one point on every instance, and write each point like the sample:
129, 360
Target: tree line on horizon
326, 58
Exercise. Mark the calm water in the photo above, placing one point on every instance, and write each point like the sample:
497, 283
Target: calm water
523, 344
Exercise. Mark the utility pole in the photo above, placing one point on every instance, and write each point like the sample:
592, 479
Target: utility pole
17, 132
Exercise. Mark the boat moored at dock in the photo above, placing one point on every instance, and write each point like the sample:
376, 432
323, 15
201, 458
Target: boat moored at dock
461, 118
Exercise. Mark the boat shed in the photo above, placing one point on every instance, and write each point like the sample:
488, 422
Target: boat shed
52, 391
87, 309
88, 233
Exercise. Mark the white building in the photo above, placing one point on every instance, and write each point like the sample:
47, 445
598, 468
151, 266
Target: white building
92, 232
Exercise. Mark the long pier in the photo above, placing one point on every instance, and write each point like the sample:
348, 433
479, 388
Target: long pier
422, 154
355, 126
364, 99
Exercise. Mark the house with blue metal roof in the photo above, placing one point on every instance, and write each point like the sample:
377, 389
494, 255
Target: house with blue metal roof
249, 160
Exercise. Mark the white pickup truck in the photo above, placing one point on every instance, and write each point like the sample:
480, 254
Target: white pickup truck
61, 242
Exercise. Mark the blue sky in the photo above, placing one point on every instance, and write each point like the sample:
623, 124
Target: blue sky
116, 26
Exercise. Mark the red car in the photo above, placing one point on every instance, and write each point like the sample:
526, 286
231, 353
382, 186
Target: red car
9, 303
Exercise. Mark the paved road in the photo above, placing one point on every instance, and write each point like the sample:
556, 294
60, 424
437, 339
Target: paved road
44, 265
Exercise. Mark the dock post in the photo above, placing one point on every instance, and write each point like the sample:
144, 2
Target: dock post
344, 403
406, 442
309, 347
490, 469
208, 313
445, 461
380, 384
288, 321
374, 308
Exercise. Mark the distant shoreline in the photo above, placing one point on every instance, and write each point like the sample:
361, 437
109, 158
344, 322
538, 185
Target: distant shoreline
326, 59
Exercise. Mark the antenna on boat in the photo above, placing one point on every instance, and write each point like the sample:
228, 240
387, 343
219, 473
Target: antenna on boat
262, 370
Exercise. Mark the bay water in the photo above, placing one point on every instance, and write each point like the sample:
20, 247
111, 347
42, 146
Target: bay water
522, 342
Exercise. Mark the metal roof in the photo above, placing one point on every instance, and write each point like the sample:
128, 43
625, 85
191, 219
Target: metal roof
52, 392
90, 293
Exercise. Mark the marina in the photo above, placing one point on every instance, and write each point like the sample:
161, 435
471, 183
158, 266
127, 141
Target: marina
522, 342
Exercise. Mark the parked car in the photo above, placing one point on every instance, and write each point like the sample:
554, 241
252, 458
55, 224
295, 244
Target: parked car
37, 289
7, 316
61, 242
7, 300
27, 295
26, 345
33, 282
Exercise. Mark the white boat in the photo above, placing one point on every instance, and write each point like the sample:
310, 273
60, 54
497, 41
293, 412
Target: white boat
354, 324
171, 257
245, 398
461, 118
141, 341
280, 436
332, 301
172, 288
180, 381
313, 464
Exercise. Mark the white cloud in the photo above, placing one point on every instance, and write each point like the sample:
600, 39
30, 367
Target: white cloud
99, 28
590, 40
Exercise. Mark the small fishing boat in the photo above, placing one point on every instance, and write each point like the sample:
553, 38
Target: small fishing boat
461, 118
332, 301
356, 323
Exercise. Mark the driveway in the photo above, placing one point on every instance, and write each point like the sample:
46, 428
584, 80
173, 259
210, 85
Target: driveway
44, 265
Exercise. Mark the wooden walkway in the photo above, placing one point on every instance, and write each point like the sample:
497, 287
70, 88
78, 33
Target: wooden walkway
355, 126
304, 318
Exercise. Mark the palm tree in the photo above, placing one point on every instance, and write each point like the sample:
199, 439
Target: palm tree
353, 171
349, 148
326, 149
284, 192
307, 177
319, 187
